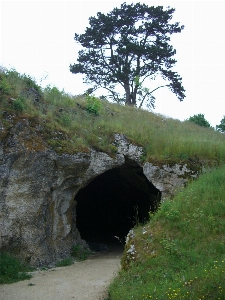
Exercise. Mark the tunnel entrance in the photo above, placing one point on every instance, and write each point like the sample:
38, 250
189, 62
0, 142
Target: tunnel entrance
112, 204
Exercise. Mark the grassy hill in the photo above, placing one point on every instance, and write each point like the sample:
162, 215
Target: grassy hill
74, 123
180, 253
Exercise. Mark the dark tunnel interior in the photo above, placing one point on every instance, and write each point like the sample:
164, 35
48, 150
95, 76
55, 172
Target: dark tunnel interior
111, 204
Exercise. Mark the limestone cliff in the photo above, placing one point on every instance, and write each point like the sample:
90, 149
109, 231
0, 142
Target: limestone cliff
38, 189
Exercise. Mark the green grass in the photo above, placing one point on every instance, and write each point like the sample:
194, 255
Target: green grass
180, 253
12, 269
68, 261
70, 124
80, 252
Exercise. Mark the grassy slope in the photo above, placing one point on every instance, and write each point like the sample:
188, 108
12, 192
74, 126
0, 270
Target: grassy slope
65, 124
180, 253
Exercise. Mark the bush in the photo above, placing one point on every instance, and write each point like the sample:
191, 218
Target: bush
80, 252
221, 126
52, 94
199, 120
19, 104
94, 105
5, 87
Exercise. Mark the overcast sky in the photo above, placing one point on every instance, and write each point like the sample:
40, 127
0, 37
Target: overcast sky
37, 38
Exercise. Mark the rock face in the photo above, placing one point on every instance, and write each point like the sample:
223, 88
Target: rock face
168, 179
38, 189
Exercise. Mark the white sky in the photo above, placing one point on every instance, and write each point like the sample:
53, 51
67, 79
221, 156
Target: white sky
37, 38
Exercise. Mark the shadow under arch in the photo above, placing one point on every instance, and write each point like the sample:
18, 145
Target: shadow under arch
113, 202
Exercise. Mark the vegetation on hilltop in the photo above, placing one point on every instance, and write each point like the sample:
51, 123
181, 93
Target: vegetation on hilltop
221, 126
126, 47
75, 123
200, 120
180, 253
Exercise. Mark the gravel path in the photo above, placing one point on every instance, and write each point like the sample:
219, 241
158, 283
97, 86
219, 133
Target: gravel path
85, 280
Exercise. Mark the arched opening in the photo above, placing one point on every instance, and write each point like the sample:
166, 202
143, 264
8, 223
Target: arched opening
112, 203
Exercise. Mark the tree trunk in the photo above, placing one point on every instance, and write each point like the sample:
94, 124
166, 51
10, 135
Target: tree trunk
130, 99
127, 91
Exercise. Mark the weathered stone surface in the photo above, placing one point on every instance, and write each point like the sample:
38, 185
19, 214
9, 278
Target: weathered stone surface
168, 179
37, 191
127, 149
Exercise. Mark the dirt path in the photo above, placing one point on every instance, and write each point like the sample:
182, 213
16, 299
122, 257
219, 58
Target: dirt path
86, 280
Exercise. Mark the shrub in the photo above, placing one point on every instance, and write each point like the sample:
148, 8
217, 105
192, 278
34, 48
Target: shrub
94, 105
221, 126
19, 104
5, 87
52, 94
31, 83
80, 252
199, 120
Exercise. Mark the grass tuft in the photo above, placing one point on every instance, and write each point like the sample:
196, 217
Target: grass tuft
80, 252
65, 262
12, 269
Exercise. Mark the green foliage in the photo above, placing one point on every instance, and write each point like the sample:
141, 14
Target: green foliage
126, 46
80, 252
52, 94
221, 126
65, 262
172, 214
179, 254
19, 104
30, 83
5, 87
66, 119
170, 246
11, 269
144, 92
94, 105
199, 120
21, 81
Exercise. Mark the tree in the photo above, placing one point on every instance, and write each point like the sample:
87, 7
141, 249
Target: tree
221, 126
199, 120
127, 46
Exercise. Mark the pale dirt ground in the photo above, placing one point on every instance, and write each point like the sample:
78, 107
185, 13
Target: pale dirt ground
85, 280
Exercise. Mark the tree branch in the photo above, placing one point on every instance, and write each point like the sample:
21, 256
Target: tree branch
149, 93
